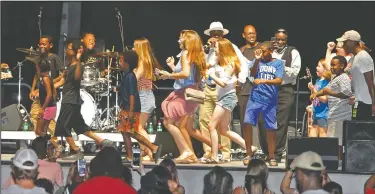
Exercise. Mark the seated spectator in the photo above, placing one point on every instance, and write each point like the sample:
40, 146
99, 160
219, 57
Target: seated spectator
127, 176
333, 188
218, 181
308, 168
156, 182
105, 175
171, 166
24, 173
48, 169
46, 184
74, 179
255, 179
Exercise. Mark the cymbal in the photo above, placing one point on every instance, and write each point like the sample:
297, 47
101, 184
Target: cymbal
35, 59
29, 51
106, 54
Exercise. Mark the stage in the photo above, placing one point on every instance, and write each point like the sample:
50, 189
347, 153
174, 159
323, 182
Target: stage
191, 175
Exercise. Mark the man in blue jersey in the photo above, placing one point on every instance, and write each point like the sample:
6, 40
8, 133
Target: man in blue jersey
263, 98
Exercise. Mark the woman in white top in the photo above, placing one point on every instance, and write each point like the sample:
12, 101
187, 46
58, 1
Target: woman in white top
340, 51
225, 76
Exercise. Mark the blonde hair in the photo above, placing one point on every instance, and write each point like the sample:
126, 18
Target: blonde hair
227, 55
193, 44
144, 51
327, 72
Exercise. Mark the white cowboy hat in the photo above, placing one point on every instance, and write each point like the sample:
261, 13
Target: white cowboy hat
216, 26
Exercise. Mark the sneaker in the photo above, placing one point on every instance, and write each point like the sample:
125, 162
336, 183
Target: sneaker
73, 155
107, 143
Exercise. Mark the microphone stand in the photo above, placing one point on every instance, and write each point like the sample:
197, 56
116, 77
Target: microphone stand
40, 22
297, 99
119, 19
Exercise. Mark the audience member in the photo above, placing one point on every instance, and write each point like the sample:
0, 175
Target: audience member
308, 167
333, 188
106, 171
46, 184
171, 166
218, 181
127, 175
74, 179
152, 183
370, 185
255, 179
24, 173
47, 169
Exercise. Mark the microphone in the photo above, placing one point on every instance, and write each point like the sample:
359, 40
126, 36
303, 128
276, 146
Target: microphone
118, 11
305, 77
40, 12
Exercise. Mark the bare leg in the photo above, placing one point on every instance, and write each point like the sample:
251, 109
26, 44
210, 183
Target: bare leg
40, 124
128, 145
71, 143
248, 135
144, 141
224, 129
323, 131
271, 140
216, 118
197, 134
143, 117
93, 136
182, 145
313, 131
185, 133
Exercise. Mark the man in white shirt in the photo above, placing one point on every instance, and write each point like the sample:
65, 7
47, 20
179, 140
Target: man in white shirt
24, 172
292, 60
362, 72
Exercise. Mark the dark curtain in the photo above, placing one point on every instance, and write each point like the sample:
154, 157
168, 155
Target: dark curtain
19, 29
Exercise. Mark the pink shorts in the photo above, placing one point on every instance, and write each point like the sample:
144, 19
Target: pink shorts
50, 113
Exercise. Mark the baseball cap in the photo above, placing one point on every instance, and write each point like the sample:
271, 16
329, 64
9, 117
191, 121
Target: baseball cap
308, 160
107, 163
350, 35
25, 155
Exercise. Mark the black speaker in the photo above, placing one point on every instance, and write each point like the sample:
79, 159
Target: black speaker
10, 118
169, 145
359, 150
327, 148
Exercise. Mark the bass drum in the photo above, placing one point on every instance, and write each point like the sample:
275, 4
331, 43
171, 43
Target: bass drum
88, 108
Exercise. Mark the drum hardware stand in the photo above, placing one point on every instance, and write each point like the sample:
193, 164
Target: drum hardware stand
109, 117
96, 124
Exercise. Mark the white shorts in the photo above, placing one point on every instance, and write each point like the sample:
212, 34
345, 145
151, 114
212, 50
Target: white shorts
335, 129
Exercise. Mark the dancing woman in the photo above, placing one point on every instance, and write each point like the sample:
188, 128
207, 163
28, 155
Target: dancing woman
225, 76
144, 72
177, 110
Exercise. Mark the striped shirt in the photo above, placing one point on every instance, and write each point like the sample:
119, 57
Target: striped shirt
144, 83
340, 109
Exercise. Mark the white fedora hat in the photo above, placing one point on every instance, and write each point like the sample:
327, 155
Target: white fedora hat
216, 26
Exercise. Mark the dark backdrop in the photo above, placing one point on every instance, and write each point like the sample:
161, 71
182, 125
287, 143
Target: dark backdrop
310, 25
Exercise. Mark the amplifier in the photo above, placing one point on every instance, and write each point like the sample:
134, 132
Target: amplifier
327, 148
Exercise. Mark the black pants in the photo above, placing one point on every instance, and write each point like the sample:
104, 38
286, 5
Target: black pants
70, 117
284, 110
364, 112
242, 103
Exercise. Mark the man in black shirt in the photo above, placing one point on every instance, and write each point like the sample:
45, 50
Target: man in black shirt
56, 66
70, 113
89, 49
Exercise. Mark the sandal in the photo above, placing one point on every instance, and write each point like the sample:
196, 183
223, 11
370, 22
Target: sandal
272, 162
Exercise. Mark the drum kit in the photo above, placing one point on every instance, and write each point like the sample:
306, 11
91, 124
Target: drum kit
94, 87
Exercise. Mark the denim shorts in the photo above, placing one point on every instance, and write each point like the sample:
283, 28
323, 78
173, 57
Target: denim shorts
321, 122
228, 101
147, 101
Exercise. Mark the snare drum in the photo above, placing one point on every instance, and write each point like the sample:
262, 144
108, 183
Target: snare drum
90, 76
88, 108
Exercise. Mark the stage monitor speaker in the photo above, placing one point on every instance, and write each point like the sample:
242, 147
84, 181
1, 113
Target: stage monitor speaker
327, 148
359, 150
10, 118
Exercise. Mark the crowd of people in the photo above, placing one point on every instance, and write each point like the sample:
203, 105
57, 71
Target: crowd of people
35, 171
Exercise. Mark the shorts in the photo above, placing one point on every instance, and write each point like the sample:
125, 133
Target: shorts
70, 117
268, 111
228, 101
127, 124
335, 129
50, 113
147, 101
321, 122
